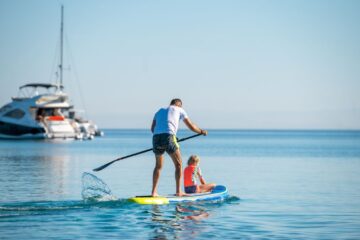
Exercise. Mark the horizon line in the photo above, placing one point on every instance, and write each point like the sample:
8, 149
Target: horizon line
247, 129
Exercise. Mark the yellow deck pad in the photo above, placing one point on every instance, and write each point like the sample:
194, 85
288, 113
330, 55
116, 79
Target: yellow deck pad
150, 200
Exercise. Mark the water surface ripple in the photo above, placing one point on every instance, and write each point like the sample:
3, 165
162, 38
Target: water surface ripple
282, 185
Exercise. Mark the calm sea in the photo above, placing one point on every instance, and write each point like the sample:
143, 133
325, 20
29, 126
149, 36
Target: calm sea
282, 185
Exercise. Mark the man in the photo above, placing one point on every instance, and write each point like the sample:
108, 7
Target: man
164, 128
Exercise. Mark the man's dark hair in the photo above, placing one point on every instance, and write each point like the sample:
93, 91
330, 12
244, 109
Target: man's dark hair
175, 100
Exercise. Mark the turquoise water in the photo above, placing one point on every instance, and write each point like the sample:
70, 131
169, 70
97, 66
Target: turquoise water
282, 185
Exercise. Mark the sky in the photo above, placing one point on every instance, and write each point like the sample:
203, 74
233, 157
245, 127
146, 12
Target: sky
235, 64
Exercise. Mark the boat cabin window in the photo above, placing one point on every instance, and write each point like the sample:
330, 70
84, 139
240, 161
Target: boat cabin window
16, 113
5, 108
40, 114
48, 113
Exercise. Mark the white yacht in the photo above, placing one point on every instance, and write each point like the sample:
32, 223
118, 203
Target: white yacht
43, 110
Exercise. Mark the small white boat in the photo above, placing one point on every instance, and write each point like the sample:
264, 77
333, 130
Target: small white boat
43, 110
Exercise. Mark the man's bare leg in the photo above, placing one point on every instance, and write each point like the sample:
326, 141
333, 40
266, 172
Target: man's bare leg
176, 157
156, 174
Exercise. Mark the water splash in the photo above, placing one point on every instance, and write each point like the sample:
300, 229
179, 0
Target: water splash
94, 189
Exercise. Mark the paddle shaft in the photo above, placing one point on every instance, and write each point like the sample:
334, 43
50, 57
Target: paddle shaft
141, 152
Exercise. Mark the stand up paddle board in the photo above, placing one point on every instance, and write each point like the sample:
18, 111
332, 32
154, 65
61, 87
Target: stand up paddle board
218, 193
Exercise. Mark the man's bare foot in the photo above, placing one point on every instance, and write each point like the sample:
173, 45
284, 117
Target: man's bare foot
154, 194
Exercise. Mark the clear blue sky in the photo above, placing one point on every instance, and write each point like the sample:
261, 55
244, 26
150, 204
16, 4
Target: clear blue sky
235, 64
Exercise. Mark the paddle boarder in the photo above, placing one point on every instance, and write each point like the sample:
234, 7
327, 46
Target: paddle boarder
191, 173
164, 128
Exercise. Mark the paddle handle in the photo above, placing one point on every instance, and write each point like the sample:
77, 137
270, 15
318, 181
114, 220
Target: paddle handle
183, 139
141, 152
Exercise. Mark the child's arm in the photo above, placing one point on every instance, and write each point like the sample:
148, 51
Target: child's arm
202, 180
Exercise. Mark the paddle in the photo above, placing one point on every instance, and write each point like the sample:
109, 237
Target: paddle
134, 154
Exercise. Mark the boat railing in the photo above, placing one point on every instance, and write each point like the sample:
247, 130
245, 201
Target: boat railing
35, 89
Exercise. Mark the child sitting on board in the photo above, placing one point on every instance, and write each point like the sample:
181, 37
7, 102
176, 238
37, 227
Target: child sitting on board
191, 172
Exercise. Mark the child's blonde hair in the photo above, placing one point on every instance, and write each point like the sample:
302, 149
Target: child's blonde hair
193, 159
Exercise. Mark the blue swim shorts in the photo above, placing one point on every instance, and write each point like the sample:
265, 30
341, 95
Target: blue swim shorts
190, 189
164, 142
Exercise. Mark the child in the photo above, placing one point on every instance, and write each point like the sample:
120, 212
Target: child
190, 173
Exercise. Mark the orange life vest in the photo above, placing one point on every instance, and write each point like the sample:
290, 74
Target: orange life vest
190, 174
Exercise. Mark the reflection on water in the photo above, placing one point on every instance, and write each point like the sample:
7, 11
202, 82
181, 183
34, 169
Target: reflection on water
192, 214
35, 172
174, 221
110, 218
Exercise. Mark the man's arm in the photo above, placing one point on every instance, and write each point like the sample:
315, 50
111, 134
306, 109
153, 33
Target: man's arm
193, 127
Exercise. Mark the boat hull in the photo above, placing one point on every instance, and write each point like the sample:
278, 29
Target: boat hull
17, 131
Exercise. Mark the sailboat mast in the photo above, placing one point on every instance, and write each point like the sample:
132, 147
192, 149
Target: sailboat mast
61, 47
